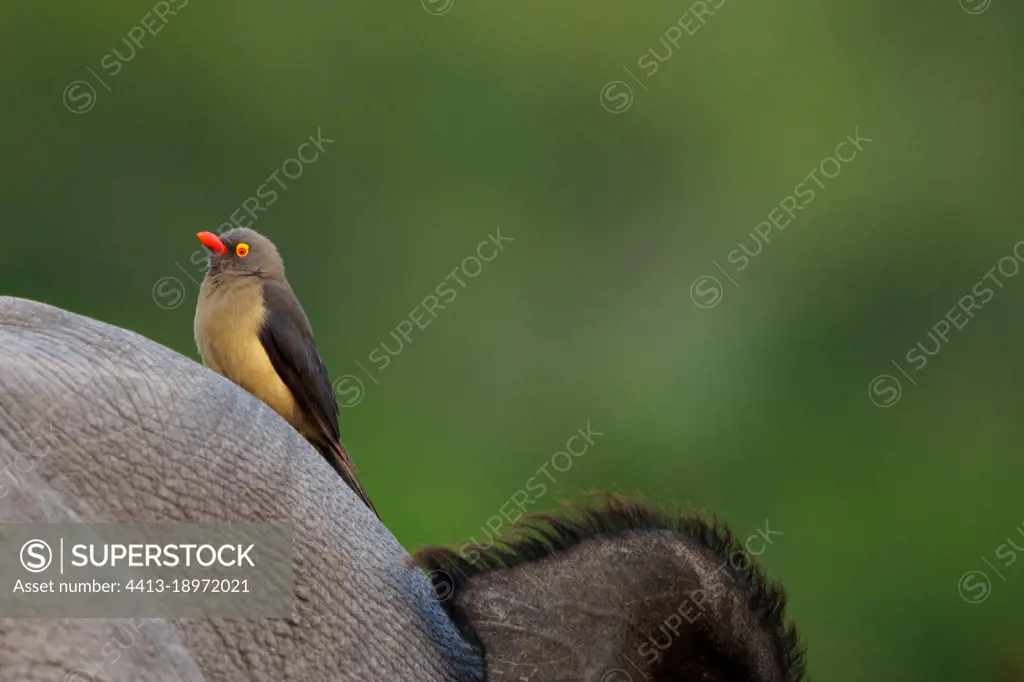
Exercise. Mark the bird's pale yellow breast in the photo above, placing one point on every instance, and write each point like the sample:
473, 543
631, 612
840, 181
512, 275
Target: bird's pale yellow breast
227, 326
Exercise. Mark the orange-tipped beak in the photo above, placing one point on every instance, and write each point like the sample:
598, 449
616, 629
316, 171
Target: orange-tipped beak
213, 242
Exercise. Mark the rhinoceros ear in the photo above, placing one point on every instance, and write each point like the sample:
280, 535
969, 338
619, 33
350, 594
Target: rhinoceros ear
617, 591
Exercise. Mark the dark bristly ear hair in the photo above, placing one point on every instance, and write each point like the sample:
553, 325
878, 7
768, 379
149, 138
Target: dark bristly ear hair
617, 591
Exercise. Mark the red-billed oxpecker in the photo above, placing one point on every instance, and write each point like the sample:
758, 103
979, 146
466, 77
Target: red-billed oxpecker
251, 329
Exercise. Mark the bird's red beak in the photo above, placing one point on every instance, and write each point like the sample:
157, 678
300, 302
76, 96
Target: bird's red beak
213, 242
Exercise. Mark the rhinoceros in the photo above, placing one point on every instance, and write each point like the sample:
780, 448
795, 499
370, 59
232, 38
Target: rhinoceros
99, 424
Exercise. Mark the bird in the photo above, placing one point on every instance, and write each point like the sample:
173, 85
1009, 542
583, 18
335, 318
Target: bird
251, 329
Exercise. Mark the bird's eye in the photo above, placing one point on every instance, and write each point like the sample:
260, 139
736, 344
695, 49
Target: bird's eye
242, 250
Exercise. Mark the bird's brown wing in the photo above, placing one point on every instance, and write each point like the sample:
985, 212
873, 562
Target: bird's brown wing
288, 340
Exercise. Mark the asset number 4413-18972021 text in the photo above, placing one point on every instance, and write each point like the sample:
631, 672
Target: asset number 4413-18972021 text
224, 585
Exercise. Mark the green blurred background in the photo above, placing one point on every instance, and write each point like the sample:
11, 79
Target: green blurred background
452, 119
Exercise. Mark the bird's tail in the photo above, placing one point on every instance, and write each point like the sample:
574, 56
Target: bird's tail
339, 458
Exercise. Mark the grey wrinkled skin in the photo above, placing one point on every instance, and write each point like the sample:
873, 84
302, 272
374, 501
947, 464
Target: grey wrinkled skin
98, 424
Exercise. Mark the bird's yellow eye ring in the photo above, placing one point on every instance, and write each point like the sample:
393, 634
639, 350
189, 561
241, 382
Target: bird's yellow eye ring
242, 250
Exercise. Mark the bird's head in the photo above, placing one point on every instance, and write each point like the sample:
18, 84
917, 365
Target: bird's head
242, 252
